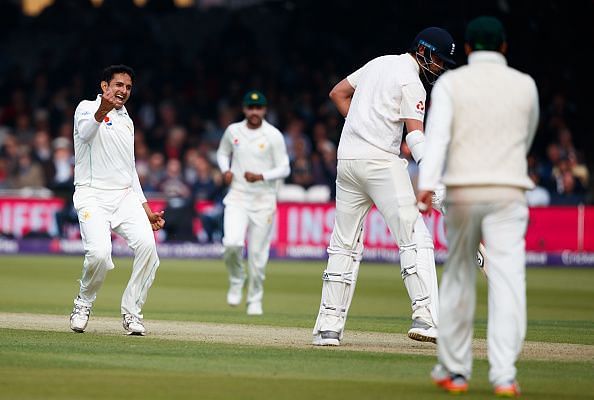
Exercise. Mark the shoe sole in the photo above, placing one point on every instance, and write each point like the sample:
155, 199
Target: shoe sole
421, 338
327, 342
444, 385
507, 393
78, 330
136, 333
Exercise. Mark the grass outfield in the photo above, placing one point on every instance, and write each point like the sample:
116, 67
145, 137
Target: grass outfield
52, 363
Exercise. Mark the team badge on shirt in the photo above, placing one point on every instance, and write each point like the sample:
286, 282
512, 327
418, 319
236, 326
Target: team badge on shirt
421, 106
261, 146
85, 215
235, 142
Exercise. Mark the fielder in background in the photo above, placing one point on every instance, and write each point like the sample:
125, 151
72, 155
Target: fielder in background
108, 196
480, 128
378, 101
253, 159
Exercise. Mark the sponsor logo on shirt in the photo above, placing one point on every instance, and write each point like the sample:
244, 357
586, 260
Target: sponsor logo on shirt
262, 146
421, 106
107, 121
235, 142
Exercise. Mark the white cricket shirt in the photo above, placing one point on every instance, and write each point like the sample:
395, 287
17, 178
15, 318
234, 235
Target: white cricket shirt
104, 151
261, 151
481, 125
388, 89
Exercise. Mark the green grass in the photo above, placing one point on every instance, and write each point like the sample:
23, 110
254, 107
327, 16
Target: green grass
62, 365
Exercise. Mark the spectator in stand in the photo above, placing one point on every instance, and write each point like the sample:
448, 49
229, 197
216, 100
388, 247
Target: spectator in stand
155, 173
295, 137
579, 169
62, 184
147, 114
565, 141
324, 166
301, 165
17, 105
180, 203
189, 171
207, 184
27, 173
563, 183
175, 142
41, 120
10, 149
552, 161
226, 116
23, 129
142, 155
167, 120
63, 164
4, 175
65, 129
569, 190
42, 153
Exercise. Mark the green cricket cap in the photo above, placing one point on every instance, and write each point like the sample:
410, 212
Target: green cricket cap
485, 33
254, 98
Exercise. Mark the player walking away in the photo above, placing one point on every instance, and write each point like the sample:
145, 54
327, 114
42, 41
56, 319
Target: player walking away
480, 128
253, 159
108, 196
378, 101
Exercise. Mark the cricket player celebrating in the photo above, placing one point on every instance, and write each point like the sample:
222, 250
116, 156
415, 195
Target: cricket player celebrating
108, 197
253, 159
378, 101
480, 128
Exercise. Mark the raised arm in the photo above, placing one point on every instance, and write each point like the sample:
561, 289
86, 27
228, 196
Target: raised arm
88, 120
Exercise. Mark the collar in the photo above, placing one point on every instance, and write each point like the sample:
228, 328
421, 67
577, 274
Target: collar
121, 111
254, 130
483, 56
414, 62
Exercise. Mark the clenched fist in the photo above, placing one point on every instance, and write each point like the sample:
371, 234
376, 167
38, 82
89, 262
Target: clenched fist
155, 218
251, 177
109, 101
227, 178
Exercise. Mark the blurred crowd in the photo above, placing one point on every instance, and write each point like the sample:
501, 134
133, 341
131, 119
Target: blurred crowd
193, 67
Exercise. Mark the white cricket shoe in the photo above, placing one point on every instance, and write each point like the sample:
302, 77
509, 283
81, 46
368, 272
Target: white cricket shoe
79, 317
327, 338
234, 295
133, 325
422, 331
254, 308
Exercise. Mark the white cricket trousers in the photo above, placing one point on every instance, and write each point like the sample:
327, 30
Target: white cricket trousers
99, 212
386, 183
502, 226
253, 214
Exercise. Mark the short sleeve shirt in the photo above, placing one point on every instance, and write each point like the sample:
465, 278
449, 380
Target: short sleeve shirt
388, 90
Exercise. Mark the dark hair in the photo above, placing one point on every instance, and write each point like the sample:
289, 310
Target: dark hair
110, 71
